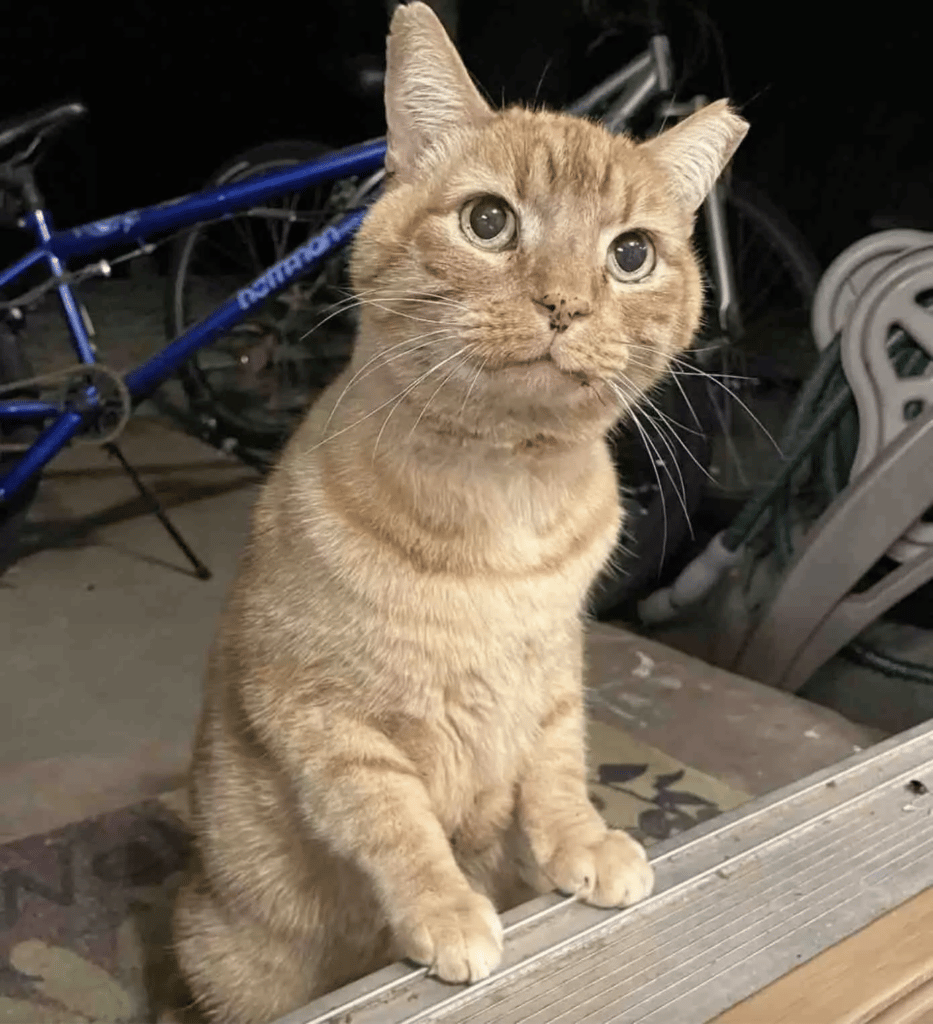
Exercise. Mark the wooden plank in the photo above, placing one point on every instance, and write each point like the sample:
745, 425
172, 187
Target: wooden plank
881, 975
916, 1008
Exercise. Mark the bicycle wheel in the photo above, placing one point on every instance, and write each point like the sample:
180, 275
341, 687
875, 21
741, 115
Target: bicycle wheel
13, 514
258, 380
756, 371
680, 454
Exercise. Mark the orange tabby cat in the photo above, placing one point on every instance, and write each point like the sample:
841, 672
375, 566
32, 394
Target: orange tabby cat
392, 742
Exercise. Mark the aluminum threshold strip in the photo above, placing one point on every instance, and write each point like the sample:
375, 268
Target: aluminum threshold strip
740, 901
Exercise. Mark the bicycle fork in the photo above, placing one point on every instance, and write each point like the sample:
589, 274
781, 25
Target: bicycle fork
717, 231
727, 305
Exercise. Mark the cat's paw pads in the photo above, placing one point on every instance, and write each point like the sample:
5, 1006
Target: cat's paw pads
458, 938
613, 871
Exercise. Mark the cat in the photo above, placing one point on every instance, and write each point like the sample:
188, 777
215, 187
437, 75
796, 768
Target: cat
391, 747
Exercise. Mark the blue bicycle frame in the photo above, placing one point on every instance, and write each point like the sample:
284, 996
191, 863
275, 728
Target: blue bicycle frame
55, 248
646, 76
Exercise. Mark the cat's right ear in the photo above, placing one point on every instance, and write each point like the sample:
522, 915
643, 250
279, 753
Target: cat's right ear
428, 91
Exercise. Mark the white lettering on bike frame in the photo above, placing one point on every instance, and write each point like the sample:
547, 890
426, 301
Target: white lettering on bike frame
278, 276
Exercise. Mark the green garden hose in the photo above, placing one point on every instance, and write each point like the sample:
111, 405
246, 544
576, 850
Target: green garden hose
819, 443
823, 430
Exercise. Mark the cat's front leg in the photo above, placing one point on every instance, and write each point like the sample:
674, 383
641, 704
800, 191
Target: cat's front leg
573, 849
366, 800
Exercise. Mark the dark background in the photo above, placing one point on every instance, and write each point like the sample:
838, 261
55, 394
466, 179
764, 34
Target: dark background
838, 102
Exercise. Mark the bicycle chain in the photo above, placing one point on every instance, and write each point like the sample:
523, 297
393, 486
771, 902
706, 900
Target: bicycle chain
84, 377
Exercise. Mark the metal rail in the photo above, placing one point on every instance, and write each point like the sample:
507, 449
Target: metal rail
740, 901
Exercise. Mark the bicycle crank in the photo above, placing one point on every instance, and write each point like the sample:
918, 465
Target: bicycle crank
92, 389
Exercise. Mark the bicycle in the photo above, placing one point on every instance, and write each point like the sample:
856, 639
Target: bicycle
271, 304
41, 414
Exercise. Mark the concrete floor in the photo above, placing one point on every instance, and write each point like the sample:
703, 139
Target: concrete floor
859, 694
104, 628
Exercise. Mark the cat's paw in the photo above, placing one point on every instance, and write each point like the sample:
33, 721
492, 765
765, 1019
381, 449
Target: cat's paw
612, 871
459, 938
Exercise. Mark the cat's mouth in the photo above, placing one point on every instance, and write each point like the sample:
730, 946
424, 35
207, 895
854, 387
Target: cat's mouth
546, 364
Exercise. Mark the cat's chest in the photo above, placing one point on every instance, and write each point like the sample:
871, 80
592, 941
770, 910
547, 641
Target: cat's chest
544, 540
472, 753
476, 711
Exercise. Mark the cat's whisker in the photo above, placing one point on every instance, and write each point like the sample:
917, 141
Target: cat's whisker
377, 304
431, 298
668, 419
680, 491
415, 348
679, 367
689, 370
734, 456
673, 428
714, 346
683, 394
626, 391
380, 291
359, 302
355, 300
382, 294
362, 419
677, 371
678, 485
742, 405
646, 441
341, 307
434, 394
383, 355
673, 424
400, 295
709, 476
672, 433
654, 366
407, 391
401, 355
476, 377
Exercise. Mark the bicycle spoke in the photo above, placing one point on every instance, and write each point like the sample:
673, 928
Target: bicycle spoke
244, 228
280, 241
247, 266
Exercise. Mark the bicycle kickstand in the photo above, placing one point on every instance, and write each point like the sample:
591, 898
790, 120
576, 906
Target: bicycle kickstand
200, 569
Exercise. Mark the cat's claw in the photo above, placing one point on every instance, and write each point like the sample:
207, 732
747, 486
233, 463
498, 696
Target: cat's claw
613, 871
458, 938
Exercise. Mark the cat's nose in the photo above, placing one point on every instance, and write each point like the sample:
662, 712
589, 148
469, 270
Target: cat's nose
561, 310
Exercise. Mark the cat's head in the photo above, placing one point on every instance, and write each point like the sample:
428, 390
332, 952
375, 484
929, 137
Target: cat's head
531, 267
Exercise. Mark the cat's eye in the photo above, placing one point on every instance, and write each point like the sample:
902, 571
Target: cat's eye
631, 256
489, 222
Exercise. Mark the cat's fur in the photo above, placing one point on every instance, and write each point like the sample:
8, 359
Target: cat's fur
392, 740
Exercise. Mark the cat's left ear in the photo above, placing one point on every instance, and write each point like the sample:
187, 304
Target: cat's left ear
428, 91
696, 151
